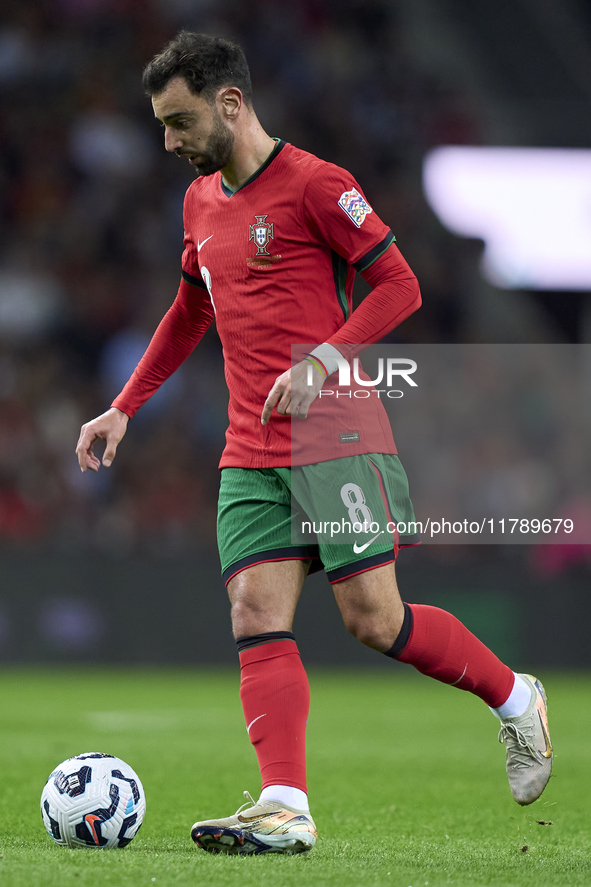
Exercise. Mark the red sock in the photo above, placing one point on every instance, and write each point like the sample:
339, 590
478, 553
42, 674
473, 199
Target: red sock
441, 647
276, 699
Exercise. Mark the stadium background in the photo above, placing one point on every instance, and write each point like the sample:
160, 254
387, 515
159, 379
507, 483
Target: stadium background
122, 567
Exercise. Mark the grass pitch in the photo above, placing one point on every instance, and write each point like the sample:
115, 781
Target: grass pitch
406, 781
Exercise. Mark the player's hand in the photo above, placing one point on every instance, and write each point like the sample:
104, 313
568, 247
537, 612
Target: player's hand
291, 393
110, 427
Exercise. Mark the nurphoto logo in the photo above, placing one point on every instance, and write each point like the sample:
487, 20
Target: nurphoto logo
388, 370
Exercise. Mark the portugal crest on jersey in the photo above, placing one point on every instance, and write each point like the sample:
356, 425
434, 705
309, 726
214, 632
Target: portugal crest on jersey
261, 232
356, 207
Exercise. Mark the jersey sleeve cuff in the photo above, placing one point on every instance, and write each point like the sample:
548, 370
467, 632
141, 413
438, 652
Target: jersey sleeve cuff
124, 407
329, 355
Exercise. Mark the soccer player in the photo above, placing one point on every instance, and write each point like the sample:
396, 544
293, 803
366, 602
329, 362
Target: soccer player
273, 237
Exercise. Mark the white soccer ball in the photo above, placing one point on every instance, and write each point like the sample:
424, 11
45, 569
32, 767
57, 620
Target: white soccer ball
93, 800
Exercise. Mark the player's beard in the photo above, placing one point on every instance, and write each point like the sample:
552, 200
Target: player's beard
218, 149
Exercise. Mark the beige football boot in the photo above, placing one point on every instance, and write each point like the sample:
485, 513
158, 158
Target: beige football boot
263, 827
529, 750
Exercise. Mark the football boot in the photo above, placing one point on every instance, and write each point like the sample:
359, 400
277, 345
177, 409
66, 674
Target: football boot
262, 827
529, 750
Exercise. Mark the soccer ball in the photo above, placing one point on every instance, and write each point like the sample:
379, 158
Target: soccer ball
93, 800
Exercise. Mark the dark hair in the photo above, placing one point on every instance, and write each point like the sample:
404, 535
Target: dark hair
205, 62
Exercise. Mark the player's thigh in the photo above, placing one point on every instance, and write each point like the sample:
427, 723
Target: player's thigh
359, 509
371, 606
264, 597
264, 569
256, 520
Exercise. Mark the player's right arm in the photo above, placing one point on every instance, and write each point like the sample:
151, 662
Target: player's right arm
180, 330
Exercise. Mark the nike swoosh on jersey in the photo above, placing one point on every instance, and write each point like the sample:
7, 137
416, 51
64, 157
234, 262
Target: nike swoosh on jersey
199, 245
357, 549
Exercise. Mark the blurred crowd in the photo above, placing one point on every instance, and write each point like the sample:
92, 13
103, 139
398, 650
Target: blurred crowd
499, 434
91, 238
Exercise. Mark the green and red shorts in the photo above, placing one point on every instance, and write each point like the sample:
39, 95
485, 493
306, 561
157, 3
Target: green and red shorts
347, 515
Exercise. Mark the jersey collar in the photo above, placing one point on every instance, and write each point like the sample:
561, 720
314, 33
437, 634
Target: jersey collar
278, 147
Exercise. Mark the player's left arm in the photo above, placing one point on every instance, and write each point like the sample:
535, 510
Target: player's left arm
394, 296
336, 213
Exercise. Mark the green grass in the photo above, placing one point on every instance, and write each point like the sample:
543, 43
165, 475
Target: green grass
406, 781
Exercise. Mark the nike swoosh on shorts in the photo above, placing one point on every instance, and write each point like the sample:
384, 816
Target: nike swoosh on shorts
357, 549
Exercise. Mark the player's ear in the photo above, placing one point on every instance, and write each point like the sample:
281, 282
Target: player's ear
230, 101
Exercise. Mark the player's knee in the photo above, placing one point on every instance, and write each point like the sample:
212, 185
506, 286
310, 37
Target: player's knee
367, 630
372, 628
247, 617
252, 616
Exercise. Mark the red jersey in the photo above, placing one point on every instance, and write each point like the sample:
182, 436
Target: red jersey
277, 260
